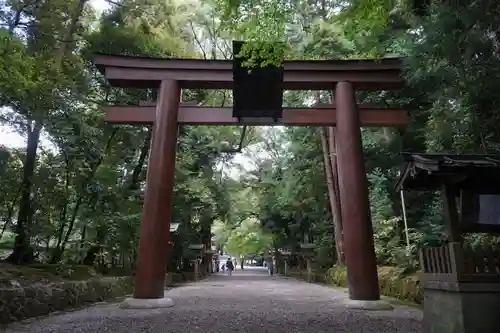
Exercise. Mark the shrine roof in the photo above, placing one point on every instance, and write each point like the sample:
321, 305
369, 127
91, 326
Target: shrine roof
427, 172
147, 72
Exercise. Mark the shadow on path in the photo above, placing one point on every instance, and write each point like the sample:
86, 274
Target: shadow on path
248, 301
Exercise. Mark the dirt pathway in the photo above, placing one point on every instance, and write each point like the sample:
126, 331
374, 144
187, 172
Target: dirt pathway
248, 301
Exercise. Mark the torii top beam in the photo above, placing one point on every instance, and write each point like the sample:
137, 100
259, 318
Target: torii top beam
146, 72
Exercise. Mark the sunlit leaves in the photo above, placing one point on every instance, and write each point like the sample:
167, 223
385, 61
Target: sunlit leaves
248, 238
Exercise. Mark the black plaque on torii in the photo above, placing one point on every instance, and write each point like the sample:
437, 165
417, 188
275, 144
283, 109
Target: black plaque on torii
257, 91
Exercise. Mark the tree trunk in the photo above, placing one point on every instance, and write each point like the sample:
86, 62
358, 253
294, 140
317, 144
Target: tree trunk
135, 178
332, 195
17, 17
332, 148
10, 213
59, 250
83, 236
89, 259
205, 239
22, 252
61, 245
68, 43
63, 215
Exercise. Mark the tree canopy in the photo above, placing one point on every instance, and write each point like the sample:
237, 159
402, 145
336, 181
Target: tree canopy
74, 192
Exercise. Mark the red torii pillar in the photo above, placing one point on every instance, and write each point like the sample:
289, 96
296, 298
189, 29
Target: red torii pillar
355, 207
157, 209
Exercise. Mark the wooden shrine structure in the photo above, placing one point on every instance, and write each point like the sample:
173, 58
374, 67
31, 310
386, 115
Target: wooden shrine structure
461, 284
169, 76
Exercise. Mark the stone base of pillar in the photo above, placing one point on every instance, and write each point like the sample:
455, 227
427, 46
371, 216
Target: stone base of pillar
378, 305
466, 307
152, 303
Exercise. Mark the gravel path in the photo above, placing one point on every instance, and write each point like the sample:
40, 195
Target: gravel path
248, 301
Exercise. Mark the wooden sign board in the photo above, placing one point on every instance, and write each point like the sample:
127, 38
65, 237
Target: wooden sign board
479, 212
257, 91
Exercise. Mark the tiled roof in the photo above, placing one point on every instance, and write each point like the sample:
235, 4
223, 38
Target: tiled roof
454, 160
426, 171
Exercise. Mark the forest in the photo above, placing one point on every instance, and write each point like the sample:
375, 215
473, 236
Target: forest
73, 194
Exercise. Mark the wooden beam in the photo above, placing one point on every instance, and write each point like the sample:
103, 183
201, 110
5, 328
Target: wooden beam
125, 61
193, 115
144, 72
293, 80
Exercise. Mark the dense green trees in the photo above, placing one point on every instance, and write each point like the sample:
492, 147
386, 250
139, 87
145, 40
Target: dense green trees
81, 199
84, 197
450, 66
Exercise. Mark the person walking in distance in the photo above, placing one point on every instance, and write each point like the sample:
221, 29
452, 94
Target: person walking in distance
270, 265
229, 266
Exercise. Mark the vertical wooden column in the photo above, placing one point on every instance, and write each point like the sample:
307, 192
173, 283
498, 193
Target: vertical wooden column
157, 208
355, 208
448, 195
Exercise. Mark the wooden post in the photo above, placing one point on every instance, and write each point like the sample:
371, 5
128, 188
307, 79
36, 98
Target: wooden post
169, 281
210, 264
286, 267
157, 208
309, 269
456, 260
355, 207
448, 194
196, 269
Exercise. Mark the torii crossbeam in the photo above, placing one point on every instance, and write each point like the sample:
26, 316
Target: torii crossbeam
169, 76
317, 116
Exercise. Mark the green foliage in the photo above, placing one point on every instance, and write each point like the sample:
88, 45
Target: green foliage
262, 24
262, 53
86, 194
391, 248
81, 200
381, 204
391, 281
248, 238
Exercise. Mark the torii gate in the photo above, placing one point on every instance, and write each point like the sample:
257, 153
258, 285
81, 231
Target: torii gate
169, 76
